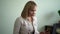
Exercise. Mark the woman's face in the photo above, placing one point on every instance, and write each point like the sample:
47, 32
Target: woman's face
32, 11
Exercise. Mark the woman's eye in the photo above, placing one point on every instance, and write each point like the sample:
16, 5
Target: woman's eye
32, 10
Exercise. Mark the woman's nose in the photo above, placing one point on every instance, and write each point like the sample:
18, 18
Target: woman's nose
34, 12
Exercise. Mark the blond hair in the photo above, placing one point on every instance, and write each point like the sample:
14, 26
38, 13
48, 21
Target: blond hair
28, 5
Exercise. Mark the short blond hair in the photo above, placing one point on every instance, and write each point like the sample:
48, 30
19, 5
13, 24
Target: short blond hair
28, 5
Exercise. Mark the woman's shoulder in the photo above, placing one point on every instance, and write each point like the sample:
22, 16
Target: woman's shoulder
35, 18
19, 19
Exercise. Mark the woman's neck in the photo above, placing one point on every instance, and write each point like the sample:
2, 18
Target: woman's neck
30, 19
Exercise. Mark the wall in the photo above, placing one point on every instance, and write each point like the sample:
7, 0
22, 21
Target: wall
11, 9
47, 12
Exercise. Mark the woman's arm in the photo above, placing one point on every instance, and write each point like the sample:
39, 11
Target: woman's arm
36, 25
36, 30
17, 26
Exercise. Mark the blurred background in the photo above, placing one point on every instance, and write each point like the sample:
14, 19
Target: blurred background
47, 13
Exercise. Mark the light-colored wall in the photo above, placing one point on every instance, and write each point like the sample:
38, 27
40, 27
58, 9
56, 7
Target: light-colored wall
47, 12
11, 9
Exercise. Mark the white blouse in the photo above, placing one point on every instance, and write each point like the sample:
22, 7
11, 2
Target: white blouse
23, 26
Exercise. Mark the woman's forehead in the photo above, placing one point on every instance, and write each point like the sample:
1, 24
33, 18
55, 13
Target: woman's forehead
33, 7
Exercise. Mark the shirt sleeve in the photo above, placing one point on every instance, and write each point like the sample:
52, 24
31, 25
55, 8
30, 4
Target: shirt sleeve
17, 26
36, 25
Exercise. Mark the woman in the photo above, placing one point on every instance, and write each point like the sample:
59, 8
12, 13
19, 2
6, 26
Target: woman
26, 23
